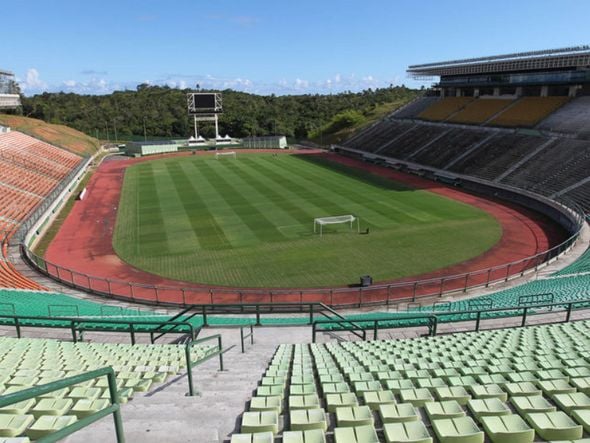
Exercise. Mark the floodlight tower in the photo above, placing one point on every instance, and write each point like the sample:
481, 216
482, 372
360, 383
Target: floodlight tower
205, 106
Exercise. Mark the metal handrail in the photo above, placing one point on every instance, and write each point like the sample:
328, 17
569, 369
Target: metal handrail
190, 363
243, 337
455, 316
114, 408
76, 324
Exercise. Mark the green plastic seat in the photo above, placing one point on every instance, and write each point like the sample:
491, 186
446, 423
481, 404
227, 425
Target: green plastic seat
334, 401
84, 408
487, 407
335, 388
48, 424
357, 434
12, 425
311, 436
354, 416
303, 379
535, 403
306, 419
521, 388
52, 406
396, 386
582, 384
78, 393
457, 393
569, 402
397, 413
367, 386
488, 391
274, 381
375, 398
443, 409
507, 428
554, 425
406, 432
20, 408
457, 430
266, 404
302, 389
259, 437
557, 386
582, 417
263, 421
417, 397
270, 391
309, 401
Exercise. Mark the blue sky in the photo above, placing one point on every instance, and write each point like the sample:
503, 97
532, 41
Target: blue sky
263, 46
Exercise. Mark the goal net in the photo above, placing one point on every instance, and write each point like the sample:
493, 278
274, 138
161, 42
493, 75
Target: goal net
319, 223
231, 154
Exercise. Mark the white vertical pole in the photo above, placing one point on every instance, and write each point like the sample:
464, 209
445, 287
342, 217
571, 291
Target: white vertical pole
216, 127
196, 127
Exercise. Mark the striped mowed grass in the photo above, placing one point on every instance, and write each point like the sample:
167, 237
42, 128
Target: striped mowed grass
249, 222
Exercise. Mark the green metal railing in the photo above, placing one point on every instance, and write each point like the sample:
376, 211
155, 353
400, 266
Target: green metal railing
114, 408
244, 337
432, 319
81, 324
190, 363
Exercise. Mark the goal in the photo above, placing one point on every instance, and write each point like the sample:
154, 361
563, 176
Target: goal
231, 154
318, 223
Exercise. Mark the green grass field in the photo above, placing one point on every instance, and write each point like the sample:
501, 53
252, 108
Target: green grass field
249, 222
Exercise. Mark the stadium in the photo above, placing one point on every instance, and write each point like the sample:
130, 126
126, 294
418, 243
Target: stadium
426, 278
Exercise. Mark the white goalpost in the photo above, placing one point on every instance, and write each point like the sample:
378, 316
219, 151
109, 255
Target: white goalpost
318, 223
225, 154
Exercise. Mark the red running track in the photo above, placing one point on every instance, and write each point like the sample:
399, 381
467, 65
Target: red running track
82, 252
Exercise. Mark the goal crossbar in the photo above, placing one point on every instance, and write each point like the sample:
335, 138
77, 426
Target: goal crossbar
338, 219
223, 154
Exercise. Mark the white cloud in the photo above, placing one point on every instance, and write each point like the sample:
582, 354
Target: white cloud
32, 82
102, 85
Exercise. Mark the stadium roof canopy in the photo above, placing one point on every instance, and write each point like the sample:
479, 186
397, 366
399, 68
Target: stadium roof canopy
571, 57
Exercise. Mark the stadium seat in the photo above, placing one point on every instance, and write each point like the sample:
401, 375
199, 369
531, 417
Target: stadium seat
554, 425
259, 437
307, 419
536, 403
266, 421
457, 430
443, 409
266, 404
406, 432
12, 425
487, 407
375, 398
334, 401
358, 434
397, 413
354, 416
48, 424
310, 436
507, 428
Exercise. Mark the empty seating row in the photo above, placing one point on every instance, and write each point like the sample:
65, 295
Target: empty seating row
559, 165
573, 117
480, 110
443, 108
25, 363
511, 385
528, 111
493, 157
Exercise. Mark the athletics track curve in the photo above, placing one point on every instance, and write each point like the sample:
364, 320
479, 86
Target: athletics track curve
84, 245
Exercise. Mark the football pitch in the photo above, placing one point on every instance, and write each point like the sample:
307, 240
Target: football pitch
248, 222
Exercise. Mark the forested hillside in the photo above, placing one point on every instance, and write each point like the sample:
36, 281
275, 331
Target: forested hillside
162, 111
